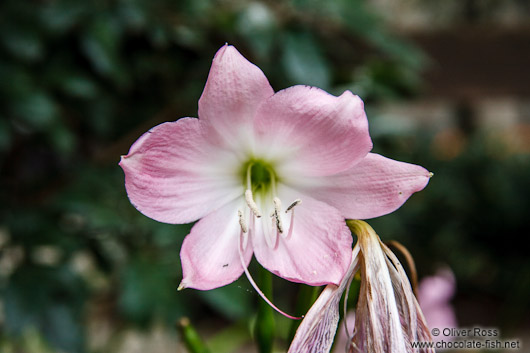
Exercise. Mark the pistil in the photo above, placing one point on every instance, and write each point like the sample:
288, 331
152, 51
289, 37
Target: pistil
253, 283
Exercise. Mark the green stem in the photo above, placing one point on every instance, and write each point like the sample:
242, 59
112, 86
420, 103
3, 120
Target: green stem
190, 337
265, 325
305, 299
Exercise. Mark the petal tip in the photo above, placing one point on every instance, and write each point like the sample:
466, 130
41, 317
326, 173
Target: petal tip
122, 160
348, 93
225, 49
182, 286
126, 160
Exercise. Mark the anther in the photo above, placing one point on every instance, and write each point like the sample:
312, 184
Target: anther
242, 223
277, 204
279, 224
251, 204
291, 206
291, 225
277, 210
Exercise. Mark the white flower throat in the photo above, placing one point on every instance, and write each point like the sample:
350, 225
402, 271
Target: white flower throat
261, 180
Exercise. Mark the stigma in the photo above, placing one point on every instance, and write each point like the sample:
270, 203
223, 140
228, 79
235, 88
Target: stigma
251, 203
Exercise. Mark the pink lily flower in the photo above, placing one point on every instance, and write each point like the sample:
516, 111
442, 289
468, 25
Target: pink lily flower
251, 153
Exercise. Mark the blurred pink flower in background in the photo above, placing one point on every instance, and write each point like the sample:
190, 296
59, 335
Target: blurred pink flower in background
434, 295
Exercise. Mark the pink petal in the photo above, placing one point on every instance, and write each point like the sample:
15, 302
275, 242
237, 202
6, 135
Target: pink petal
374, 187
319, 133
209, 254
318, 251
175, 173
233, 91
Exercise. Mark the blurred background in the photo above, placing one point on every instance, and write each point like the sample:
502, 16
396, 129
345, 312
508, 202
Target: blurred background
446, 86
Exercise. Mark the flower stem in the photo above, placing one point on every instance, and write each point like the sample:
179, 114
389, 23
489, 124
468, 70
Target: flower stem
265, 325
305, 299
190, 337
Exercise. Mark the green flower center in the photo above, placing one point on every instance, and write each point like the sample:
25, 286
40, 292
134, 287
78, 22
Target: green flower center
260, 175
260, 179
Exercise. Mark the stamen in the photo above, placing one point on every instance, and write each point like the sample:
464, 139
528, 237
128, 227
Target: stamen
245, 241
277, 204
256, 288
277, 210
242, 223
291, 206
291, 225
271, 236
249, 180
250, 229
251, 204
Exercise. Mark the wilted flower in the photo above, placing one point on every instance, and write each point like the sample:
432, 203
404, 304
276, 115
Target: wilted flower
252, 161
388, 318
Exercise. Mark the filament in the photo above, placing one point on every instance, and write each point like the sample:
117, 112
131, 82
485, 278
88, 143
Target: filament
256, 288
291, 226
269, 234
249, 182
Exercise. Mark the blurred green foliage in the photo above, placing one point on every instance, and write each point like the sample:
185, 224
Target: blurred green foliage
81, 80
